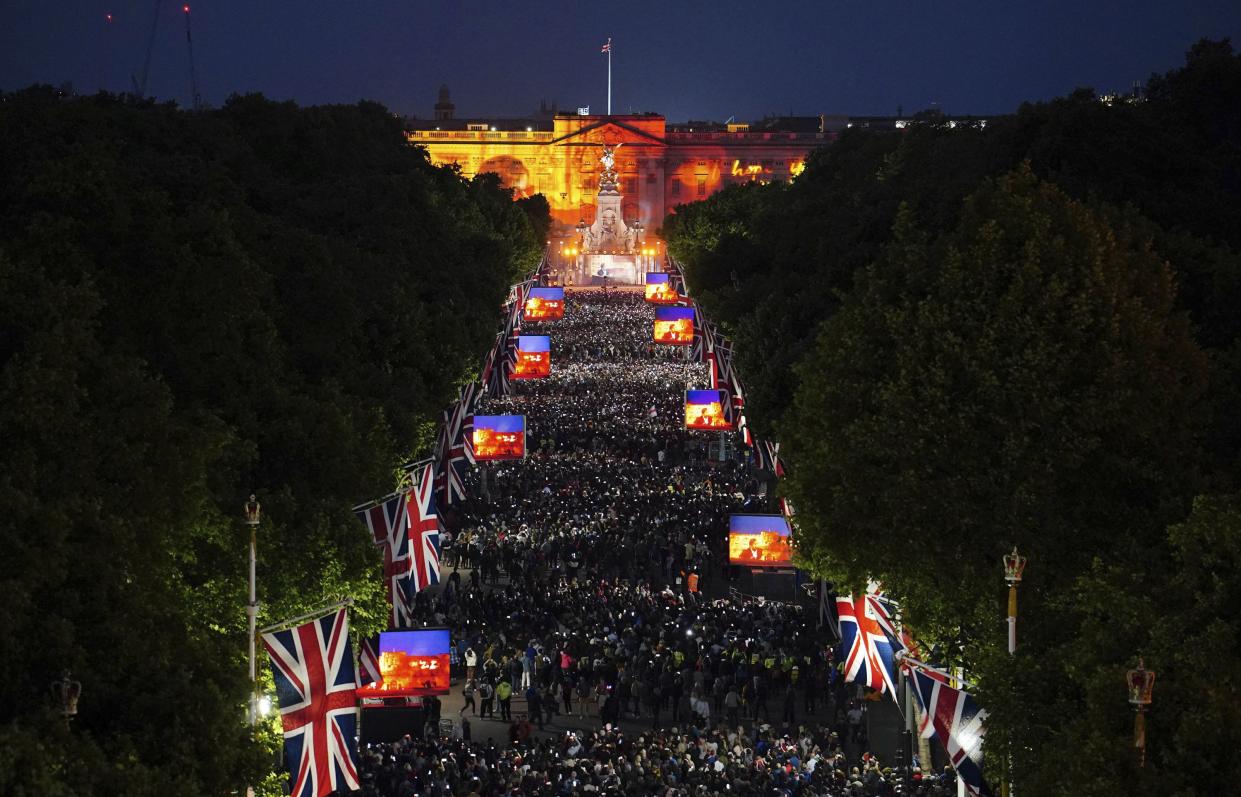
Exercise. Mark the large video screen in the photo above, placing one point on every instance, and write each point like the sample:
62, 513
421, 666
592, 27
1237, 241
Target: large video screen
499, 437
534, 357
674, 325
544, 304
412, 663
704, 409
759, 541
659, 289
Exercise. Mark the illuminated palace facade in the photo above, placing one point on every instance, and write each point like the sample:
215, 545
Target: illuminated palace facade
659, 166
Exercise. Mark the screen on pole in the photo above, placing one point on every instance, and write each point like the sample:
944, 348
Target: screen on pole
674, 325
534, 357
759, 541
499, 437
659, 289
412, 663
544, 304
704, 409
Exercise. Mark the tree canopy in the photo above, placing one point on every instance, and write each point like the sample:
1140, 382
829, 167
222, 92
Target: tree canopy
193, 307
1023, 333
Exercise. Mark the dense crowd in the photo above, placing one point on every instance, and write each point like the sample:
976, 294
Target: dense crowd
670, 762
577, 590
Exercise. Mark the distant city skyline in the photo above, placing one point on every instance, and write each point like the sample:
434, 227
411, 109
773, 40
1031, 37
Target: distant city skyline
689, 60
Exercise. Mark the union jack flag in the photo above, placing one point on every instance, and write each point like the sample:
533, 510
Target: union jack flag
767, 456
882, 609
368, 662
454, 453
494, 375
723, 377
607, 48
312, 666
389, 526
704, 338
952, 716
424, 532
516, 302
864, 647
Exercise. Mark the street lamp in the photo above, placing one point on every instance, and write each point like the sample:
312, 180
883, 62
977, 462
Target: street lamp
1141, 682
67, 691
1014, 565
253, 512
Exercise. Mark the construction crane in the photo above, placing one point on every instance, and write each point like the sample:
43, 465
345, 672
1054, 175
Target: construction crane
189, 43
140, 86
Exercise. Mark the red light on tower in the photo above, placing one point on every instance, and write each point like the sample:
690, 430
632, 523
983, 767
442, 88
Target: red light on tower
108, 18
186, 9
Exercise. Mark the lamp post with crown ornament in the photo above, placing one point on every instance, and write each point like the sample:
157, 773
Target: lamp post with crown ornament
253, 513
1141, 683
67, 692
1014, 565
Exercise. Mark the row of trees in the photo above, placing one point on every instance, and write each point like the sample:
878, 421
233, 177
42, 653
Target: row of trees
193, 306
970, 338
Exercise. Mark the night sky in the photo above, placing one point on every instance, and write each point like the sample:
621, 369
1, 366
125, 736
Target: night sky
687, 60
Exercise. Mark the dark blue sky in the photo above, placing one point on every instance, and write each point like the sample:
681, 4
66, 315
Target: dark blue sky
684, 58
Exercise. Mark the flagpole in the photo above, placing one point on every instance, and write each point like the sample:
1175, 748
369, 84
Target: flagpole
322, 611
609, 76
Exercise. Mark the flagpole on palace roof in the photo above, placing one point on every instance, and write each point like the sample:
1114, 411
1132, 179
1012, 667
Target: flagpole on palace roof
609, 51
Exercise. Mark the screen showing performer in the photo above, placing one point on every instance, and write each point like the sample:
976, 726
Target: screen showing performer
499, 437
412, 663
659, 289
759, 541
534, 357
704, 409
674, 325
544, 304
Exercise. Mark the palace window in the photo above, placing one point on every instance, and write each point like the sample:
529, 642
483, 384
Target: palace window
702, 186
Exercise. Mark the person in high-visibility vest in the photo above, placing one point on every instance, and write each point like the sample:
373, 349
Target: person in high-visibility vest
692, 582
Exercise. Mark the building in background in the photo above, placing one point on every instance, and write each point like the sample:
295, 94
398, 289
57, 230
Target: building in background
659, 165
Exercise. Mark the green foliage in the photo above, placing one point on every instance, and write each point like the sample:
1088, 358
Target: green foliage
1020, 334
193, 307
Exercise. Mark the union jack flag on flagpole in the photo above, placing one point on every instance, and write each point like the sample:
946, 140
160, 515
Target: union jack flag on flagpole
389, 526
494, 375
454, 451
952, 716
864, 648
312, 665
424, 532
368, 662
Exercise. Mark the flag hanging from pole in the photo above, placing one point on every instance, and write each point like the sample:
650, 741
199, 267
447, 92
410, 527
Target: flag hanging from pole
864, 648
607, 48
312, 666
389, 526
952, 716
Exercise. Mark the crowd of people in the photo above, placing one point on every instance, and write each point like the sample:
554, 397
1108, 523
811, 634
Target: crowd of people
588, 588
